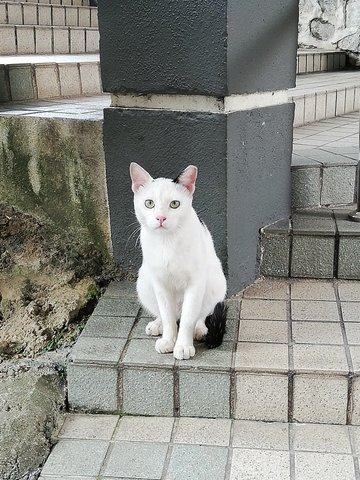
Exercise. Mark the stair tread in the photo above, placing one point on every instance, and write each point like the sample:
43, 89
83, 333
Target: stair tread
309, 84
34, 58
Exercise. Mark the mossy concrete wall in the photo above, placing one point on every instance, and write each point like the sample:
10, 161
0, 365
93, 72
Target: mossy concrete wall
55, 169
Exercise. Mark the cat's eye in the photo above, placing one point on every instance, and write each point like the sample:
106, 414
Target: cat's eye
149, 203
175, 204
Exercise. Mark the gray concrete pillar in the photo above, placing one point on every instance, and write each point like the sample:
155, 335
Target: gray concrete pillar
202, 82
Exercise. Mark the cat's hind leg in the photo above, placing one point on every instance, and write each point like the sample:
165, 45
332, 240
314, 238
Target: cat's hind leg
148, 300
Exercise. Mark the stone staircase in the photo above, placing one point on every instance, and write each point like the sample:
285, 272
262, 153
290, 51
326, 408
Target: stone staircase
48, 50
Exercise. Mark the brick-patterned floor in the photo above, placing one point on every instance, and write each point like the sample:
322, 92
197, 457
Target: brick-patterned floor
99, 447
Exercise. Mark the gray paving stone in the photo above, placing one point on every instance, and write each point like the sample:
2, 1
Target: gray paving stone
313, 222
197, 461
349, 291
353, 333
312, 257
102, 326
204, 394
268, 289
320, 359
345, 226
145, 429
139, 328
270, 331
99, 350
92, 388
317, 332
233, 307
261, 397
260, 465
203, 431
305, 187
355, 419
76, 457
232, 325
263, 310
211, 359
350, 311
355, 433
21, 83
142, 352
117, 308
349, 258
136, 460
309, 466
275, 255
314, 311
338, 185
148, 392
320, 399
261, 435
281, 226
90, 427
264, 357
124, 289
312, 290
321, 438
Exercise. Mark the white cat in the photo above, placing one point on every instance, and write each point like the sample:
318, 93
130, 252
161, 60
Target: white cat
181, 277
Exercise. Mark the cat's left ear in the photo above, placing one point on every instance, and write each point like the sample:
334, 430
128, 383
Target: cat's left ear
139, 177
187, 178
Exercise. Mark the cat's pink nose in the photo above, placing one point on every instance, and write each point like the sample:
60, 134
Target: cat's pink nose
161, 219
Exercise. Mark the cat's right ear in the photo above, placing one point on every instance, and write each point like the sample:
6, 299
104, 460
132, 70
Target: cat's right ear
139, 177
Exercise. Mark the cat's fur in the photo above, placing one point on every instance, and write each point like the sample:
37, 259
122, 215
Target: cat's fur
181, 277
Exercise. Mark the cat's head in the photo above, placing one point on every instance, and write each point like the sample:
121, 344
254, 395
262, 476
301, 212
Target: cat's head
162, 204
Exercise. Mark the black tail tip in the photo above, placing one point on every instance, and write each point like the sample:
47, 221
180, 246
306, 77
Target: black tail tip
216, 325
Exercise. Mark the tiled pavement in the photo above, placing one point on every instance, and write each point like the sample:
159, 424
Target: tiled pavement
99, 447
291, 353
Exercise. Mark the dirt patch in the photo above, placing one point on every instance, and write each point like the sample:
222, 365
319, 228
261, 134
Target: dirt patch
49, 284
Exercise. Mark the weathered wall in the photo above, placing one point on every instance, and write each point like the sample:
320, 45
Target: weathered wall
55, 169
330, 24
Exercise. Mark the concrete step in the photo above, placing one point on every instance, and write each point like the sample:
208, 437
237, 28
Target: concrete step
49, 76
325, 156
320, 96
109, 446
36, 39
316, 60
313, 243
15, 13
291, 353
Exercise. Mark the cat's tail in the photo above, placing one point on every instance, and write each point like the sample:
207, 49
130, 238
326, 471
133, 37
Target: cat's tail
216, 325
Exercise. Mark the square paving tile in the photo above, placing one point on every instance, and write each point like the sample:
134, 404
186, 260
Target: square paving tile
262, 397
320, 399
139, 460
312, 290
93, 427
197, 462
261, 356
320, 358
145, 429
259, 331
263, 309
355, 355
139, 328
349, 291
315, 310
219, 358
317, 332
261, 435
204, 394
351, 311
76, 457
353, 333
97, 350
321, 438
101, 326
117, 307
203, 431
142, 352
260, 465
268, 290
327, 466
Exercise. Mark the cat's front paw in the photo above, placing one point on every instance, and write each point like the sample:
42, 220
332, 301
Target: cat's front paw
184, 352
154, 328
163, 345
